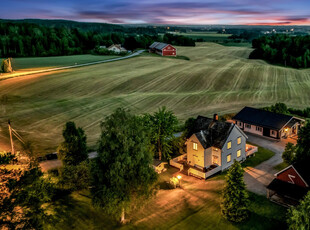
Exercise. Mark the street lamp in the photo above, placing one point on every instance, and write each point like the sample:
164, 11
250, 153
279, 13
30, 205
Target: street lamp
179, 178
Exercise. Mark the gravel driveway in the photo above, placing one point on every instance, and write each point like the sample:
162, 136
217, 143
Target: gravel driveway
259, 177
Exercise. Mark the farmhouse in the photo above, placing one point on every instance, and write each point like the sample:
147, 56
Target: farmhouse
290, 185
163, 49
117, 48
265, 123
212, 146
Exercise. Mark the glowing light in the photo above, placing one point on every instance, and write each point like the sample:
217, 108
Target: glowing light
179, 177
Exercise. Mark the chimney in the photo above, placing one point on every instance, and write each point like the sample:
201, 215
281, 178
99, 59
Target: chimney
215, 117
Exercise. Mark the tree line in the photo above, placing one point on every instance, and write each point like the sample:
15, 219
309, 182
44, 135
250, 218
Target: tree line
30, 40
293, 51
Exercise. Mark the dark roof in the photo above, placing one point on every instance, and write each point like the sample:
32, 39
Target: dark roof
210, 132
304, 171
156, 162
158, 45
287, 189
262, 118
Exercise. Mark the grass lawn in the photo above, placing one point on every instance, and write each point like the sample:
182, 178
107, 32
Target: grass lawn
260, 156
216, 79
281, 166
195, 206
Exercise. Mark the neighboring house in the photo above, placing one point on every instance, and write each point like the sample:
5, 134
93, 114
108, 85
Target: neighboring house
117, 48
163, 49
212, 147
290, 185
159, 166
265, 123
102, 47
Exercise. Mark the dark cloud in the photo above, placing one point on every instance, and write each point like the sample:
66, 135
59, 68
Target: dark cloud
163, 11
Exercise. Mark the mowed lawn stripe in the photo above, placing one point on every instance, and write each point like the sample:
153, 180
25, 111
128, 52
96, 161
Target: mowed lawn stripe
216, 79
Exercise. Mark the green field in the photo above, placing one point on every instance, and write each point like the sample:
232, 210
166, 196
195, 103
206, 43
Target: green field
216, 79
207, 36
38, 63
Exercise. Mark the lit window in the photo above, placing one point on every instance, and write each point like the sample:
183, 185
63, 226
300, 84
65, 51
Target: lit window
195, 146
239, 140
229, 145
229, 158
239, 153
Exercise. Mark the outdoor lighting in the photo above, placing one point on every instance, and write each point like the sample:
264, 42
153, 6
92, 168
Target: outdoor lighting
286, 129
179, 179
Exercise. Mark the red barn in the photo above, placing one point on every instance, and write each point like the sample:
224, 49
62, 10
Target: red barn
290, 185
163, 49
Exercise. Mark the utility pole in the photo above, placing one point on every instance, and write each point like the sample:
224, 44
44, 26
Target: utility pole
11, 138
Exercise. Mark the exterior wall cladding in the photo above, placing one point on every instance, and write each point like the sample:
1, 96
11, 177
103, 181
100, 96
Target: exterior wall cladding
169, 51
234, 148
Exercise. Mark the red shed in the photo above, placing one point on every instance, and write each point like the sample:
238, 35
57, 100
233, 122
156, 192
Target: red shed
163, 49
290, 185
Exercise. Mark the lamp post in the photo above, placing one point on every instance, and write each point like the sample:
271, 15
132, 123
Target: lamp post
179, 178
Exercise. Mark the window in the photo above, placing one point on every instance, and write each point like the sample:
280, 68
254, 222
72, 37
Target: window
248, 126
229, 145
259, 129
215, 160
239, 153
239, 140
195, 146
228, 158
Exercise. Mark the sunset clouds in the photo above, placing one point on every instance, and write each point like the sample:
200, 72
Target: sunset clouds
262, 12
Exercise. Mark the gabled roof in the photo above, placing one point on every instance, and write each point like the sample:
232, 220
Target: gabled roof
263, 118
303, 170
158, 45
156, 162
212, 133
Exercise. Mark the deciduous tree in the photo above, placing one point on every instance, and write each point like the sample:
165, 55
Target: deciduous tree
122, 175
74, 149
299, 217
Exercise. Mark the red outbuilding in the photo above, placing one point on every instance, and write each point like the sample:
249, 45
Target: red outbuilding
163, 49
290, 185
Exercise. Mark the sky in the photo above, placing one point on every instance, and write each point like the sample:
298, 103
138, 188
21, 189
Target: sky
183, 12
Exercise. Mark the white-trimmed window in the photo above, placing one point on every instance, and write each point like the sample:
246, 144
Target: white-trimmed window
239, 140
229, 145
195, 146
228, 158
239, 153
259, 128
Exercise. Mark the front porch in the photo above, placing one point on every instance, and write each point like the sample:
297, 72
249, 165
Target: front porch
205, 172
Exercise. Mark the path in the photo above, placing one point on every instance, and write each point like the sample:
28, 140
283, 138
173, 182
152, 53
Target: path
259, 177
70, 67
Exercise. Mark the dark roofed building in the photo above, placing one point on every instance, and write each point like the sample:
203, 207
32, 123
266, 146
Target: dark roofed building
290, 185
163, 49
267, 123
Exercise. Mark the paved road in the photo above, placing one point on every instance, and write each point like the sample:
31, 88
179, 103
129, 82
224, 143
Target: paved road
70, 67
259, 177
52, 164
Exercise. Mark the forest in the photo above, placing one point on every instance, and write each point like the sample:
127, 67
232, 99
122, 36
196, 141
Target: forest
293, 51
23, 39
